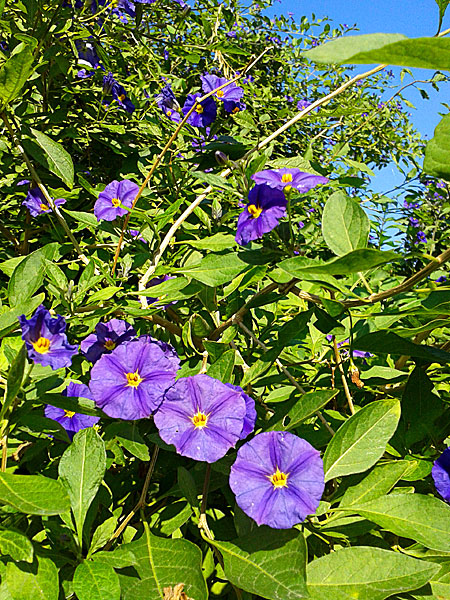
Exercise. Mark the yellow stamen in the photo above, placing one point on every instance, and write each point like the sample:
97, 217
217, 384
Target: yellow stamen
278, 479
44, 207
235, 110
200, 420
168, 113
287, 188
115, 202
254, 210
109, 345
286, 178
199, 109
220, 93
133, 379
122, 97
69, 414
42, 345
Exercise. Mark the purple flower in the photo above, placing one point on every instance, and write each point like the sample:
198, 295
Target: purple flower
441, 474
136, 233
205, 112
413, 222
201, 417
167, 102
441, 184
169, 351
130, 382
45, 339
231, 93
302, 104
72, 421
87, 56
234, 107
106, 337
111, 86
250, 414
300, 224
37, 204
421, 237
266, 206
231, 34
107, 207
285, 179
278, 479
441, 279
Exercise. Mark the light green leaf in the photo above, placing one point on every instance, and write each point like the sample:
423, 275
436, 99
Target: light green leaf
294, 162
353, 262
345, 226
160, 563
85, 406
33, 582
81, 470
102, 534
103, 294
57, 159
14, 73
424, 519
8, 319
215, 269
377, 483
15, 377
28, 276
95, 581
362, 439
365, 573
84, 218
222, 369
213, 180
442, 8
437, 151
33, 494
216, 242
16, 545
387, 48
128, 436
267, 565
305, 406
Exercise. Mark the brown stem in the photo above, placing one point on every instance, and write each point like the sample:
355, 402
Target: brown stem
4, 453
338, 358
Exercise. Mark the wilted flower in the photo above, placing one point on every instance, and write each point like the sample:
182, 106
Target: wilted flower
45, 339
130, 382
204, 113
266, 206
441, 474
72, 421
167, 102
278, 479
106, 337
107, 207
201, 417
37, 204
111, 86
285, 179
250, 411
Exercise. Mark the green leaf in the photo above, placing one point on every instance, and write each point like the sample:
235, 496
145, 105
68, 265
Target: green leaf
305, 406
387, 48
160, 563
259, 367
222, 369
104, 294
362, 439
102, 534
267, 565
386, 342
424, 519
292, 328
127, 434
71, 403
16, 545
38, 581
15, 377
377, 483
345, 226
84, 218
33, 494
28, 276
365, 573
95, 580
8, 319
14, 73
215, 269
213, 180
420, 407
216, 242
187, 485
294, 162
81, 470
437, 151
57, 158
442, 8
353, 262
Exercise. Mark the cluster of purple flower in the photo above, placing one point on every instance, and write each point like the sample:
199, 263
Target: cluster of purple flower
277, 478
267, 202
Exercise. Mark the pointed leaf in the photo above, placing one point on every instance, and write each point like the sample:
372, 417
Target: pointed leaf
222, 369
345, 225
57, 158
16, 545
437, 151
386, 342
14, 73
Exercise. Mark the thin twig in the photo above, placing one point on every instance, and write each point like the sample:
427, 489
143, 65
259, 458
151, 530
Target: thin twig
4, 453
338, 358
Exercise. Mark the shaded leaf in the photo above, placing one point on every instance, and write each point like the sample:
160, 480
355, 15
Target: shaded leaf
386, 342
16, 545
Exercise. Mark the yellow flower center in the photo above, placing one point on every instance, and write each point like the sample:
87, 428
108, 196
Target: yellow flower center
109, 345
122, 97
42, 345
44, 207
286, 178
69, 414
199, 109
168, 113
220, 93
133, 379
115, 202
254, 210
278, 479
200, 420
235, 110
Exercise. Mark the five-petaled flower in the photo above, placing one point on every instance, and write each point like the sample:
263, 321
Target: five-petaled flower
130, 382
107, 336
441, 474
201, 417
70, 420
37, 204
230, 95
204, 113
45, 339
285, 179
167, 102
278, 479
250, 411
266, 206
111, 86
108, 204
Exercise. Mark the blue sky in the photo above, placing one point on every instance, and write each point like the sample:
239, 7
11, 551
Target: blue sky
413, 18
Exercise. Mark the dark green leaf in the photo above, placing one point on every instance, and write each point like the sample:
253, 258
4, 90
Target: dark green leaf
386, 342
222, 369
305, 406
127, 434
15, 377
